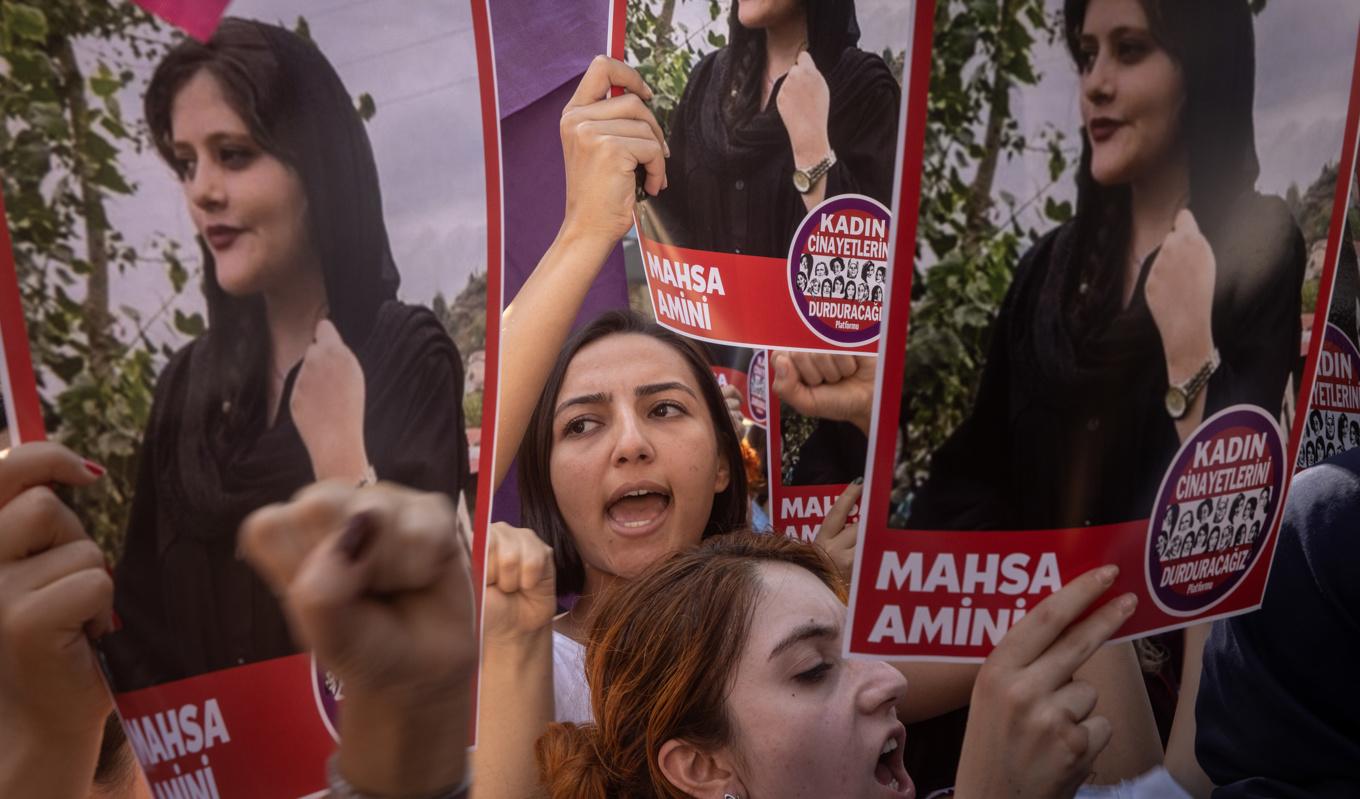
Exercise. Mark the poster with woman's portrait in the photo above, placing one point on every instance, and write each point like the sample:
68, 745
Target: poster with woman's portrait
248, 263
771, 230
1332, 422
1121, 214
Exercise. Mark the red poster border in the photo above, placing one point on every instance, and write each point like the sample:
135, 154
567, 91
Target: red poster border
495, 260
23, 387
896, 323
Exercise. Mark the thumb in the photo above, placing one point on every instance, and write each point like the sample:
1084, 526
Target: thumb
789, 386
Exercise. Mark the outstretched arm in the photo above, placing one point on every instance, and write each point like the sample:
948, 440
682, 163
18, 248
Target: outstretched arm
604, 140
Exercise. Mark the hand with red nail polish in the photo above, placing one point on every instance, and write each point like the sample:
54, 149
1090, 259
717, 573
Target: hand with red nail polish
54, 593
377, 582
1031, 731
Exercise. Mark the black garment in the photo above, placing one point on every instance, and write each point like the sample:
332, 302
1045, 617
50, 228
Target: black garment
1070, 430
731, 180
1278, 713
188, 604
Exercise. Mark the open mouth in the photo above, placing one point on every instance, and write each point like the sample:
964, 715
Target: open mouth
889, 769
638, 508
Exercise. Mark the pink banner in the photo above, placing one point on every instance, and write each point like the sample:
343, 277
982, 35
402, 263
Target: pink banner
198, 18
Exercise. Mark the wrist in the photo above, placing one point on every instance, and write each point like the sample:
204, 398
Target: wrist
350, 466
808, 154
46, 762
1184, 363
517, 650
400, 743
583, 241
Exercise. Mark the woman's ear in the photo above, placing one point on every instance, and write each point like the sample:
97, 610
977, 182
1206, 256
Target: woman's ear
697, 772
723, 477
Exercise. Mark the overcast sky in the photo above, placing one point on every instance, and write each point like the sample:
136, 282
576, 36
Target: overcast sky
417, 59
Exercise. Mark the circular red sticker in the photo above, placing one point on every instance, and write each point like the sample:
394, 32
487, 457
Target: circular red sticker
1215, 510
838, 269
1333, 423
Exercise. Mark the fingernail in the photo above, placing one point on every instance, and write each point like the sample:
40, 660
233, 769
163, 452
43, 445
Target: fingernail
859, 481
357, 536
1127, 603
94, 468
1108, 573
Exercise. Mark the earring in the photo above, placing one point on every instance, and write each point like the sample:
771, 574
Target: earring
730, 796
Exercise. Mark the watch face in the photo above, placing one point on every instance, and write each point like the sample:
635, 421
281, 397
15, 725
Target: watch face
801, 182
1175, 402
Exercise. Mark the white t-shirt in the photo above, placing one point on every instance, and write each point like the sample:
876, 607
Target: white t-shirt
571, 694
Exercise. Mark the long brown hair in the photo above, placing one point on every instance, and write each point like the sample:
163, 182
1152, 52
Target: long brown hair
660, 660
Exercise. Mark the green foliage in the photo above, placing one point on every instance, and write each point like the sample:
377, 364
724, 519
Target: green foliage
970, 235
472, 409
62, 134
664, 51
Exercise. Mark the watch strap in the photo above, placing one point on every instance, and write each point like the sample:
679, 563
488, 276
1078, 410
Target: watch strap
815, 172
1196, 384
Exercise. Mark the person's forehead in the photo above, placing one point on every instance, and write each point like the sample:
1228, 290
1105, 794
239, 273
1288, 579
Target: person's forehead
622, 362
789, 597
200, 107
1104, 16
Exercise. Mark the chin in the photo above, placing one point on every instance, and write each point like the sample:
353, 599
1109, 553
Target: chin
1108, 172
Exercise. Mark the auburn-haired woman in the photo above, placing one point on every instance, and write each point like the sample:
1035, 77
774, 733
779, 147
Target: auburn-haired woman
719, 672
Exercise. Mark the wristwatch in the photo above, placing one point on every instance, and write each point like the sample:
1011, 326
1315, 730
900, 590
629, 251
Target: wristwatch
805, 179
1180, 396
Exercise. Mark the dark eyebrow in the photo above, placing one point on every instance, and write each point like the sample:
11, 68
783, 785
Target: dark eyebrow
584, 399
805, 632
657, 388
218, 138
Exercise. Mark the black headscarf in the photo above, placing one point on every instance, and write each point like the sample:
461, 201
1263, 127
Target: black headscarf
210, 456
1079, 336
734, 129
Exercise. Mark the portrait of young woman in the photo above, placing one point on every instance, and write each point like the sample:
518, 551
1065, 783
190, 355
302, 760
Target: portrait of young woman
310, 368
789, 91
1174, 273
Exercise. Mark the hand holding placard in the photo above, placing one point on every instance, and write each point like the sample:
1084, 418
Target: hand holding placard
54, 589
1030, 732
837, 538
604, 140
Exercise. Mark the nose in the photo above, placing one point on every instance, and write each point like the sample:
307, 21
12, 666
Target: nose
205, 187
1097, 83
632, 444
879, 686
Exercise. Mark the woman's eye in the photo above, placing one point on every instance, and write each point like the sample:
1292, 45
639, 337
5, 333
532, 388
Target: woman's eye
579, 426
668, 408
815, 674
184, 167
1131, 51
235, 157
